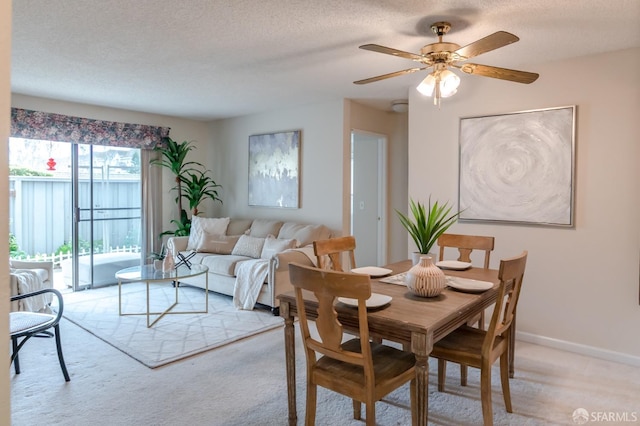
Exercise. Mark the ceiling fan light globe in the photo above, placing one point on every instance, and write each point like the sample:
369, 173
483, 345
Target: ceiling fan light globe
427, 85
449, 83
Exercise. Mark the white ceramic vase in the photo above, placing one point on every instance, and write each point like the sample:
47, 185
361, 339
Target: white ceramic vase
168, 263
416, 255
425, 279
157, 265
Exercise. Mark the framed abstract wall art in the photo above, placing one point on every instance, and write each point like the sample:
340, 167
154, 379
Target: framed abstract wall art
274, 169
518, 167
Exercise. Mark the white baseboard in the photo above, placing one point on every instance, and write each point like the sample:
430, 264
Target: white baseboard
579, 348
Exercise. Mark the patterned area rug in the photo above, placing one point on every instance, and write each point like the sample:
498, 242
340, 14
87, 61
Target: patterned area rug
173, 337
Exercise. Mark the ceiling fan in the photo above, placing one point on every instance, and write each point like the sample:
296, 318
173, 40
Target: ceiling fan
442, 82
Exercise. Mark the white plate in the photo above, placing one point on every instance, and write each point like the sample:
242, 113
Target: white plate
373, 271
375, 301
453, 264
468, 285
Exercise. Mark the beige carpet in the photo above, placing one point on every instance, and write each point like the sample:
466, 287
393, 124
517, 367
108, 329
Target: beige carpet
173, 337
243, 383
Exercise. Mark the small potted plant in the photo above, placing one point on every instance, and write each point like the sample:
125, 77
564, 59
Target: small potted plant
158, 257
426, 225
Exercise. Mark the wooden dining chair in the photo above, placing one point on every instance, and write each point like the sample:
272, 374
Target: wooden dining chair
464, 245
479, 348
330, 252
360, 369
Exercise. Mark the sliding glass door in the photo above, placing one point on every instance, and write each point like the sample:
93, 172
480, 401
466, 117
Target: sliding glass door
107, 219
77, 205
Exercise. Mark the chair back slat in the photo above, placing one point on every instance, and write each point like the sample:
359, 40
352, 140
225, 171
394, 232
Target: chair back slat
330, 253
465, 245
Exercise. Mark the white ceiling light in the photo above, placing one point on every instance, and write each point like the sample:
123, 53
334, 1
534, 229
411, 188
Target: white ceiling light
441, 81
400, 105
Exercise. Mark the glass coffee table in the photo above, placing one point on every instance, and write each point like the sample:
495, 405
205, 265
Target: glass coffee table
149, 275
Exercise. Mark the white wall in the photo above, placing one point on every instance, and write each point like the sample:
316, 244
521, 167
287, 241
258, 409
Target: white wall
5, 105
581, 285
321, 170
181, 129
325, 166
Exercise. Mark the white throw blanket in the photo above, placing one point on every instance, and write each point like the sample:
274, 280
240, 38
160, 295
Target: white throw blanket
250, 277
29, 281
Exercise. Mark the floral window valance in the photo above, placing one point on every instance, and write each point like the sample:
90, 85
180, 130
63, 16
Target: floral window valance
38, 125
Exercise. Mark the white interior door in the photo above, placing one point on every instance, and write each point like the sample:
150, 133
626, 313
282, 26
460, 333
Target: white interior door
368, 197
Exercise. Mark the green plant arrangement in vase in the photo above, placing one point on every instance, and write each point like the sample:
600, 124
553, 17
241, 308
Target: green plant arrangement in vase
425, 225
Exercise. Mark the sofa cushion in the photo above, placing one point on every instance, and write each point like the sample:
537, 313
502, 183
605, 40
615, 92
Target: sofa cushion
216, 243
273, 245
239, 226
199, 225
303, 234
263, 227
223, 264
248, 246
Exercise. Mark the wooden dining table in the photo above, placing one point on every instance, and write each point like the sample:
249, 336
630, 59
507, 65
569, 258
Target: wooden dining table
415, 322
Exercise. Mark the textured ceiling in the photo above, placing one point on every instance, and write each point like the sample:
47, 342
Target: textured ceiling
208, 59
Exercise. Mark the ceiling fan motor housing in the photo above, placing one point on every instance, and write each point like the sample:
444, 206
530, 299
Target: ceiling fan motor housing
435, 49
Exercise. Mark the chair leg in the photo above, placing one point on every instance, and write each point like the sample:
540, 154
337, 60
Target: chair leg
414, 402
371, 413
357, 409
310, 415
60, 357
442, 374
463, 375
504, 379
485, 393
14, 356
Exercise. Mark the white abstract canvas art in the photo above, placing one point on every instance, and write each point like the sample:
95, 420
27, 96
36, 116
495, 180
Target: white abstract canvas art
518, 167
274, 167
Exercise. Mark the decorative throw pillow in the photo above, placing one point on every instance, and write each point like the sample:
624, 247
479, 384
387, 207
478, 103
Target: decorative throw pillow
273, 245
217, 244
199, 225
248, 246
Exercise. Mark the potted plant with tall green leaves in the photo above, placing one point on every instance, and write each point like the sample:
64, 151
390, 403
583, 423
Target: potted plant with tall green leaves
425, 225
191, 182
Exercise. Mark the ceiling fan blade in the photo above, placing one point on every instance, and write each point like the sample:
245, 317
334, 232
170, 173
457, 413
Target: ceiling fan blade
385, 76
501, 73
486, 44
391, 51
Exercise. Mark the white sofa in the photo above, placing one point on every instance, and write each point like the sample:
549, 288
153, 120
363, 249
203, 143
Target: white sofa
224, 246
29, 276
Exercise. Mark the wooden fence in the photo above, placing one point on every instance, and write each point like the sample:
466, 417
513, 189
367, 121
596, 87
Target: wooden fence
58, 258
